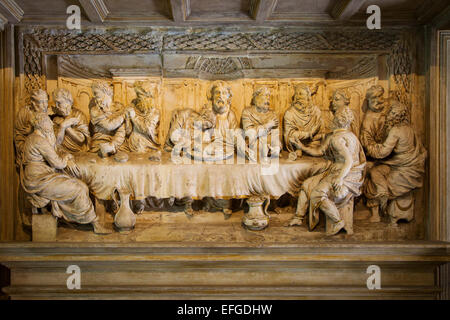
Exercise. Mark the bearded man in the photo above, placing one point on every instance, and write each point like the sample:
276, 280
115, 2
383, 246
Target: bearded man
400, 167
143, 118
340, 182
258, 121
302, 121
223, 120
23, 124
44, 182
373, 123
108, 122
71, 125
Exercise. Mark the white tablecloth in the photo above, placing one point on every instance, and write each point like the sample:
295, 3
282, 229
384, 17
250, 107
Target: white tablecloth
144, 178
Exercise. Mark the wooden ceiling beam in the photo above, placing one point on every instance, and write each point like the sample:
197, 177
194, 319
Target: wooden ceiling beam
96, 10
262, 9
345, 9
10, 10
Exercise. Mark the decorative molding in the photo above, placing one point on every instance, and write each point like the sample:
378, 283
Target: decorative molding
366, 67
345, 9
38, 41
11, 10
32, 65
400, 65
94, 42
136, 72
282, 41
67, 67
215, 271
218, 65
96, 10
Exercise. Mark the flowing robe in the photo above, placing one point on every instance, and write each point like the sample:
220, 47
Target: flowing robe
184, 119
372, 128
253, 121
22, 129
319, 187
144, 134
43, 181
109, 127
301, 125
223, 136
70, 144
401, 168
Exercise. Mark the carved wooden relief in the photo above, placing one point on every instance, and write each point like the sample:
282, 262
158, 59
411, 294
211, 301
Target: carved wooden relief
180, 70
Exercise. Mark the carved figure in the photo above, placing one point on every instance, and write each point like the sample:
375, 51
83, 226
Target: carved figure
182, 125
23, 124
399, 170
43, 181
71, 125
373, 122
340, 182
223, 120
108, 122
302, 121
258, 121
143, 118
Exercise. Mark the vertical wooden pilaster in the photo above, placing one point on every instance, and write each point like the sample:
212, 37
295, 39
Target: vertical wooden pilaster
7, 166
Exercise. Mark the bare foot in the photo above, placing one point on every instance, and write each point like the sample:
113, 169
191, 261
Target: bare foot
393, 224
375, 218
336, 227
99, 229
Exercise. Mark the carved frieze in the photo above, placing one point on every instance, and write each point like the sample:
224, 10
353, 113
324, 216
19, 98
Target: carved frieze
38, 41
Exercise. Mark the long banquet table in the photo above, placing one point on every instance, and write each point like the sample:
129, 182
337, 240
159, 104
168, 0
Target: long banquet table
144, 178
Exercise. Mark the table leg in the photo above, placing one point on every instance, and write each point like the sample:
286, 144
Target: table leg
256, 218
100, 210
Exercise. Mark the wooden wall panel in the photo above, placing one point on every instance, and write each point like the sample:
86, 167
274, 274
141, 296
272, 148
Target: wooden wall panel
7, 166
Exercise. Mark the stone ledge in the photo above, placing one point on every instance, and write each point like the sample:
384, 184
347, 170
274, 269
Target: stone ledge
193, 271
222, 292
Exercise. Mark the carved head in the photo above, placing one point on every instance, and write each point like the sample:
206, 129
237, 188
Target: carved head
39, 101
343, 118
339, 100
63, 102
220, 96
375, 98
261, 98
103, 94
398, 114
145, 96
302, 96
43, 124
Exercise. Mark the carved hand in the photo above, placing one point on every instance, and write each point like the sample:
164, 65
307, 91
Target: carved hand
319, 136
106, 148
60, 137
130, 112
337, 183
73, 169
70, 122
271, 124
